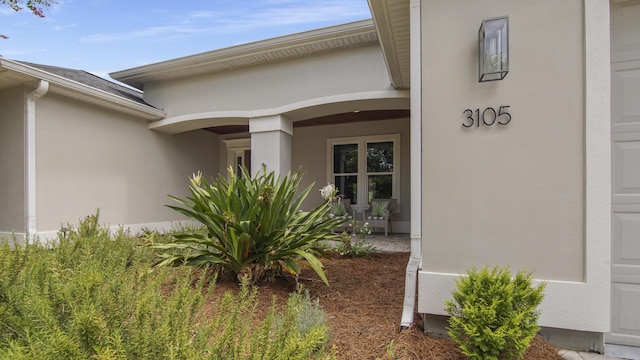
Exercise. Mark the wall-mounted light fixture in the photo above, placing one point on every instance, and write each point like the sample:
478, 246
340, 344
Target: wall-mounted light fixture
493, 38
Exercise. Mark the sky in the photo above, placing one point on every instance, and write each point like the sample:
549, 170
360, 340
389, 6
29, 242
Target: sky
102, 36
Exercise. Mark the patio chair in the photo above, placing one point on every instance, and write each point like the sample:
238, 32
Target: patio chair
378, 214
350, 214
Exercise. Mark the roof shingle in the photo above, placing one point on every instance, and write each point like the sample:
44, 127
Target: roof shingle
92, 80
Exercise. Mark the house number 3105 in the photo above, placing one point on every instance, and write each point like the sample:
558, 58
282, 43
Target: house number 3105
487, 117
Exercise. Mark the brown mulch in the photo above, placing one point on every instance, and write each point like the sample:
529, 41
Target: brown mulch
364, 306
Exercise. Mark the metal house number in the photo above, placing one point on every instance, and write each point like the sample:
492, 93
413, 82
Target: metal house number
487, 116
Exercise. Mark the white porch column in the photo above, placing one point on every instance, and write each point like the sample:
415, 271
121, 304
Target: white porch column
271, 143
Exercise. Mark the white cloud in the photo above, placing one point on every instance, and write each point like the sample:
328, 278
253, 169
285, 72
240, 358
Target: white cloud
15, 53
238, 19
143, 33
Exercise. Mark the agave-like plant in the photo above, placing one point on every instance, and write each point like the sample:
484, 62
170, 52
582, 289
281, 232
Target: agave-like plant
253, 226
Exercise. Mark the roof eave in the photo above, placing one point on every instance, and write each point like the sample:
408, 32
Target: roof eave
86, 92
391, 23
137, 76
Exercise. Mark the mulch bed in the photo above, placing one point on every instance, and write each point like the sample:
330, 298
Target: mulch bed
364, 306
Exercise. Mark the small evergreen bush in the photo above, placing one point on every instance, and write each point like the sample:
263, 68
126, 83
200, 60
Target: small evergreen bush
494, 316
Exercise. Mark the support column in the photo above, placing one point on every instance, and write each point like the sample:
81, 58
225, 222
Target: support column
271, 144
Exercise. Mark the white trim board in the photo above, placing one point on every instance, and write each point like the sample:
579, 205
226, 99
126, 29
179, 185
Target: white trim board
564, 306
48, 237
19, 236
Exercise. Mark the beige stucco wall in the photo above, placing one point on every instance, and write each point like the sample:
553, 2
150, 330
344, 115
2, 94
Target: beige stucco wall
90, 158
274, 84
309, 150
12, 160
504, 195
554, 219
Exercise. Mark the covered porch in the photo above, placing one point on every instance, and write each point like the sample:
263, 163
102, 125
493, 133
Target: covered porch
365, 155
324, 101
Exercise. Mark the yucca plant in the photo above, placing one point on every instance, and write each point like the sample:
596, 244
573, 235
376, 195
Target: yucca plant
253, 226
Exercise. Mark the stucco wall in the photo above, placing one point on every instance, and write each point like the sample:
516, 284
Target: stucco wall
534, 193
90, 158
505, 195
310, 151
12, 160
274, 84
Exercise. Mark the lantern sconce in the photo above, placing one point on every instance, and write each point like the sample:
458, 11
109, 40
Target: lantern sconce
493, 39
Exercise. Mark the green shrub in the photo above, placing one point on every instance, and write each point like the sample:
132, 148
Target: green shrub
254, 226
94, 295
352, 245
494, 316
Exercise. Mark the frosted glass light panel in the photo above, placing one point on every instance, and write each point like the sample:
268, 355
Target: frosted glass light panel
493, 39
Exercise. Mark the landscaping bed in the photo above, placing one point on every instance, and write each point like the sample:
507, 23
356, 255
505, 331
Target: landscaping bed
364, 307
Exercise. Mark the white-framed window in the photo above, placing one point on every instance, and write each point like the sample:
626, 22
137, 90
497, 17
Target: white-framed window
365, 167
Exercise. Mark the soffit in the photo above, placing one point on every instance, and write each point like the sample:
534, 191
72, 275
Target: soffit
334, 119
391, 18
10, 79
360, 33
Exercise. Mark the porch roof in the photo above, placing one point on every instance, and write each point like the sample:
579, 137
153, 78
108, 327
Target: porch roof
360, 33
389, 27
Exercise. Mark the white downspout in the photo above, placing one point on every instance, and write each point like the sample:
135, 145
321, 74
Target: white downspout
416, 167
30, 156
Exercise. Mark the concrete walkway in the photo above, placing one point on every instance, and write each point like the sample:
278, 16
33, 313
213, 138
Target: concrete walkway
626, 352
402, 243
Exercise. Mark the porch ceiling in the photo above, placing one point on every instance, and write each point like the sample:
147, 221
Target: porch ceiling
334, 119
354, 116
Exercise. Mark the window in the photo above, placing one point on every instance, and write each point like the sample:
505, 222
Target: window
238, 154
379, 170
365, 168
345, 170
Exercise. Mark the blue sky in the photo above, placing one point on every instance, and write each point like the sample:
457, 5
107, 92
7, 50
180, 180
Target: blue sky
102, 36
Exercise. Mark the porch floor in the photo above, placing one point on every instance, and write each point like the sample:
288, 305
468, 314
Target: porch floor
391, 243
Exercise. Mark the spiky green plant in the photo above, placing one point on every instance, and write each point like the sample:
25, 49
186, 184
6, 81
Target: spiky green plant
254, 225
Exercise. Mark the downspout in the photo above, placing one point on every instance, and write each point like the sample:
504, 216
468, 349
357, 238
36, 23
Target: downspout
30, 156
415, 259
